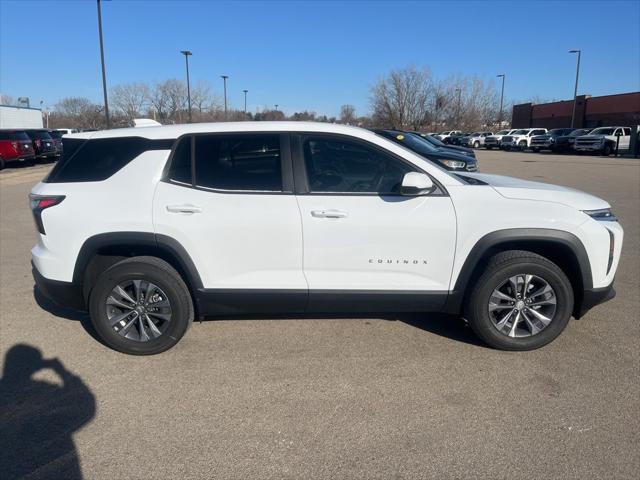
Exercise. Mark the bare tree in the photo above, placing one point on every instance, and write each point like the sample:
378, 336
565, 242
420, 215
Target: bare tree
7, 100
130, 99
78, 112
401, 99
348, 114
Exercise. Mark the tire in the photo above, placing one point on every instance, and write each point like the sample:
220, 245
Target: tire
488, 148
171, 325
607, 150
499, 270
476, 144
522, 145
535, 149
1, 163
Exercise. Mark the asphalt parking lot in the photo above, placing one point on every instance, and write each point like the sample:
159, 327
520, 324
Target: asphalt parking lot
413, 396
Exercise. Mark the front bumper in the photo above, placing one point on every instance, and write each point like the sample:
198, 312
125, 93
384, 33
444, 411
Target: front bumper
592, 297
63, 294
588, 148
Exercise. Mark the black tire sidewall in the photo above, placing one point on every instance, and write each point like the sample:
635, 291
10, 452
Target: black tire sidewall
181, 311
479, 315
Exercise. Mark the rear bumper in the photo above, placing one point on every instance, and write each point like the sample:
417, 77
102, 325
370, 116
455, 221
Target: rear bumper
593, 297
63, 294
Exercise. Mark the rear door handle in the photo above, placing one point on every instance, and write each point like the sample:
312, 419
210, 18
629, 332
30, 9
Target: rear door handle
329, 213
183, 209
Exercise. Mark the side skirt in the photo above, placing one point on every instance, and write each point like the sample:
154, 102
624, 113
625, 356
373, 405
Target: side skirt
213, 302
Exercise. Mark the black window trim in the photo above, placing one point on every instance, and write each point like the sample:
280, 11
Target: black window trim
300, 171
286, 165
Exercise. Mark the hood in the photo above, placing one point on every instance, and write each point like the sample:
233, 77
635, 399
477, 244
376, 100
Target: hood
511, 187
597, 136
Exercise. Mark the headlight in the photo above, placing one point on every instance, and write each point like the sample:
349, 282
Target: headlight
551, 139
454, 163
602, 215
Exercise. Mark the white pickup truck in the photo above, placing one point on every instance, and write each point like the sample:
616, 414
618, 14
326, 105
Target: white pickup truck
604, 140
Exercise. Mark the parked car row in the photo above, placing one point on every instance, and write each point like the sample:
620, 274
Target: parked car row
602, 140
29, 145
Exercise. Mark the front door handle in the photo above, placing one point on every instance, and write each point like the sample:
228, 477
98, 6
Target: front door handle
329, 213
183, 209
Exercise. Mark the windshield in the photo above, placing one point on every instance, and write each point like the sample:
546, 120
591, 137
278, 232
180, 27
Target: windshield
503, 132
577, 133
14, 136
39, 134
433, 140
603, 131
55, 134
521, 132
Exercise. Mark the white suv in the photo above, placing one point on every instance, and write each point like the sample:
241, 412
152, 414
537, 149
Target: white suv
150, 228
521, 138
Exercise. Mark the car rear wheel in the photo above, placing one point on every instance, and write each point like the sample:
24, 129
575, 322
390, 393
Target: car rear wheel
141, 306
522, 301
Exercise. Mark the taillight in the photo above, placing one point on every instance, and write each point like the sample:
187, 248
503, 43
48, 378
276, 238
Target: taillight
39, 203
14, 145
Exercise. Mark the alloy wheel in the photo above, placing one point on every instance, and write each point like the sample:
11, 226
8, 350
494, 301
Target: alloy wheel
522, 306
138, 310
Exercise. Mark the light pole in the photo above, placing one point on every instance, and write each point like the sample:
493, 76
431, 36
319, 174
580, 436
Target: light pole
501, 99
224, 79
276, 107
575, 91
245, 101
186, 54
459, 92
104, 74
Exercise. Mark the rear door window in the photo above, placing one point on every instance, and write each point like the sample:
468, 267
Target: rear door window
238, 162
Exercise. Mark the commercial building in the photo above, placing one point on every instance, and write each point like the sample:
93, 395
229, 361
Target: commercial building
622, 109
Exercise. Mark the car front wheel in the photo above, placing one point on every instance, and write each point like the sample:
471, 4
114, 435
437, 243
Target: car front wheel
140, 306
522, 301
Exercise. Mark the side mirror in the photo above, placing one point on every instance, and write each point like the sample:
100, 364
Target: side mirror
415, 183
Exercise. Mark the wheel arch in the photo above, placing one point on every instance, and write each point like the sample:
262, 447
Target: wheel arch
104, 250
563, 248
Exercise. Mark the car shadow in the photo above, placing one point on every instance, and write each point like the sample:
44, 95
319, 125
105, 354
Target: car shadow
66, 313
448, 326
38, 418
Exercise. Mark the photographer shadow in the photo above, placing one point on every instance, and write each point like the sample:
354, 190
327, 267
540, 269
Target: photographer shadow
38, 418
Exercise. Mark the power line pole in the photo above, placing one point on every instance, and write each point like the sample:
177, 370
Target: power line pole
245, 101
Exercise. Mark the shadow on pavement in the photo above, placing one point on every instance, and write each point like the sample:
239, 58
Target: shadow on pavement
66, 313
447, 326
38, 418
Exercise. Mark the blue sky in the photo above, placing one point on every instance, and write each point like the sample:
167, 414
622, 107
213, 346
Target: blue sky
317, 55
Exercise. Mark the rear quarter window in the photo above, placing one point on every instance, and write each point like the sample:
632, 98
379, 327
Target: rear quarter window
96, 160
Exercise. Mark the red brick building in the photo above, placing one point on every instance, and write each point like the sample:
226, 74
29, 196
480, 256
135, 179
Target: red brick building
621, 109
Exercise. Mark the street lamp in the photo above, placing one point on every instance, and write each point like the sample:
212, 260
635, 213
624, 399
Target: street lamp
245, 101
224, 79
104, 75
276, 107
186, 54
501, 99
575, 91
459, 92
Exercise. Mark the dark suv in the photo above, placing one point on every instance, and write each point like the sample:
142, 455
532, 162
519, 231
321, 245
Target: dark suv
446, 159
56, 135
15, 146
43, 144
